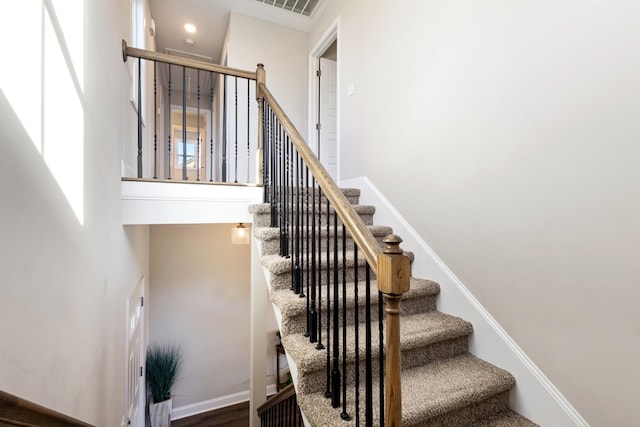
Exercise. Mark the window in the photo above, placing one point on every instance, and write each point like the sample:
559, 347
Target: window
194, 151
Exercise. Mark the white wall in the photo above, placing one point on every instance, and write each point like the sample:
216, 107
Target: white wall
130, 143
508, 135
283, 52
67, 268
199, 298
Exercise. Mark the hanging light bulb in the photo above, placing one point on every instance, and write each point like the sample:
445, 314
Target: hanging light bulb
240, 235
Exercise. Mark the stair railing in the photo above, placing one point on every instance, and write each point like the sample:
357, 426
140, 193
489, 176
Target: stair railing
281, 410
315, 220
15, 411
226, 149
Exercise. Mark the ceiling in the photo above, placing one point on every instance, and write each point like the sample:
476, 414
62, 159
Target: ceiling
211, 18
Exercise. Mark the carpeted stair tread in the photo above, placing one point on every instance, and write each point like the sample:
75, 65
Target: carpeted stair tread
265, 208
277, 264
291, 304
416, 330
506, 419
420, 298
273, 233
447, 385
432, 392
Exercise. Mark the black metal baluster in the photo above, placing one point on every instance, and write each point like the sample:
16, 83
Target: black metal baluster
198, 124
139, 117
335, 369
356, 321
368, 350
344, 415
381, 355
280, 192
170, 158
225, 118
184, 124
155, 121
313, 314
328, 282
300, 201
292, 212
280, 187
296, 239
236, 138
266, 172
306, 252
292, 192
211, 130
318, 285
274, 172
285, 198
248, 128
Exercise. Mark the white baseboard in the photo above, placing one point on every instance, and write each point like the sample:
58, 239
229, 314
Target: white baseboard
213, 404
534, 396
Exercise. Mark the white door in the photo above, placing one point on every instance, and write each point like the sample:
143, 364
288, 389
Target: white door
327, 147
135, 353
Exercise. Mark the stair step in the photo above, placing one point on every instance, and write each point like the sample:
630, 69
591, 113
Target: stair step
280, 268
270, 237
352, 194
424, 337
262, 214
507, 419
458, 391
421, 297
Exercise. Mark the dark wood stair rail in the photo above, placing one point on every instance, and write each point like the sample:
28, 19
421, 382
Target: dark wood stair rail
280, 406
391, 266
15, 411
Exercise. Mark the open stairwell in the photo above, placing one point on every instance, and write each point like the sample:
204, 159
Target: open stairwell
442, 383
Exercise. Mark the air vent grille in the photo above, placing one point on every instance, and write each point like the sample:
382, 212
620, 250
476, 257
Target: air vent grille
301, 7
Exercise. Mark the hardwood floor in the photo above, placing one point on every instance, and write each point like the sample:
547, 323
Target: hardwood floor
231, 416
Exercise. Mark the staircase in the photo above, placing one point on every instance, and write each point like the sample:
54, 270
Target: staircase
442, 383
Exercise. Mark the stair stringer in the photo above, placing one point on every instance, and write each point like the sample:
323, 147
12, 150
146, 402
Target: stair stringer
293, 368
534, 396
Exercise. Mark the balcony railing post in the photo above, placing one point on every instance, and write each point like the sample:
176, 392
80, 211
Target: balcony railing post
394, 271
260, 80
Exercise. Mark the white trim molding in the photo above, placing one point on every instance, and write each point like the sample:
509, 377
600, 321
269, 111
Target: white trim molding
534, 396
214, 404
331, 34
183, 203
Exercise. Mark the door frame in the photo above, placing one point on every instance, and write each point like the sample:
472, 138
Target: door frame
330, 35
134, 297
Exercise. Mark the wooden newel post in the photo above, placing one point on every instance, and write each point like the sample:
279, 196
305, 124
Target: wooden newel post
260, 80
394, 271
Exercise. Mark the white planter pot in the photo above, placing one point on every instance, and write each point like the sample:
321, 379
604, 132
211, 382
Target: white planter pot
160, 413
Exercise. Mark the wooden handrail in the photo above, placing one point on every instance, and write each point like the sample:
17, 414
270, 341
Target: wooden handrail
349, 217
191, 63
20, 412
277, 399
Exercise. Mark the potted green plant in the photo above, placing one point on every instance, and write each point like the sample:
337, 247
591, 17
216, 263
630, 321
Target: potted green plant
164, 363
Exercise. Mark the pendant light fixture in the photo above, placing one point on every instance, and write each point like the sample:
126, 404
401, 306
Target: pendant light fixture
240, 235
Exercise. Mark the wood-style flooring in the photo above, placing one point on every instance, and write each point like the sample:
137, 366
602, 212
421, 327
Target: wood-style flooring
231, 416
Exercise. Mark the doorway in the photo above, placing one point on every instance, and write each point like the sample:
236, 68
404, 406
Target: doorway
325, 101
190, 145
135, 393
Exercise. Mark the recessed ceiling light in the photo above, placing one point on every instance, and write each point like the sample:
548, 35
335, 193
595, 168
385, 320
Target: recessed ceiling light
190, 28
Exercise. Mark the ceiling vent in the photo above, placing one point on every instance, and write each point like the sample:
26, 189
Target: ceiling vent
300, 7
